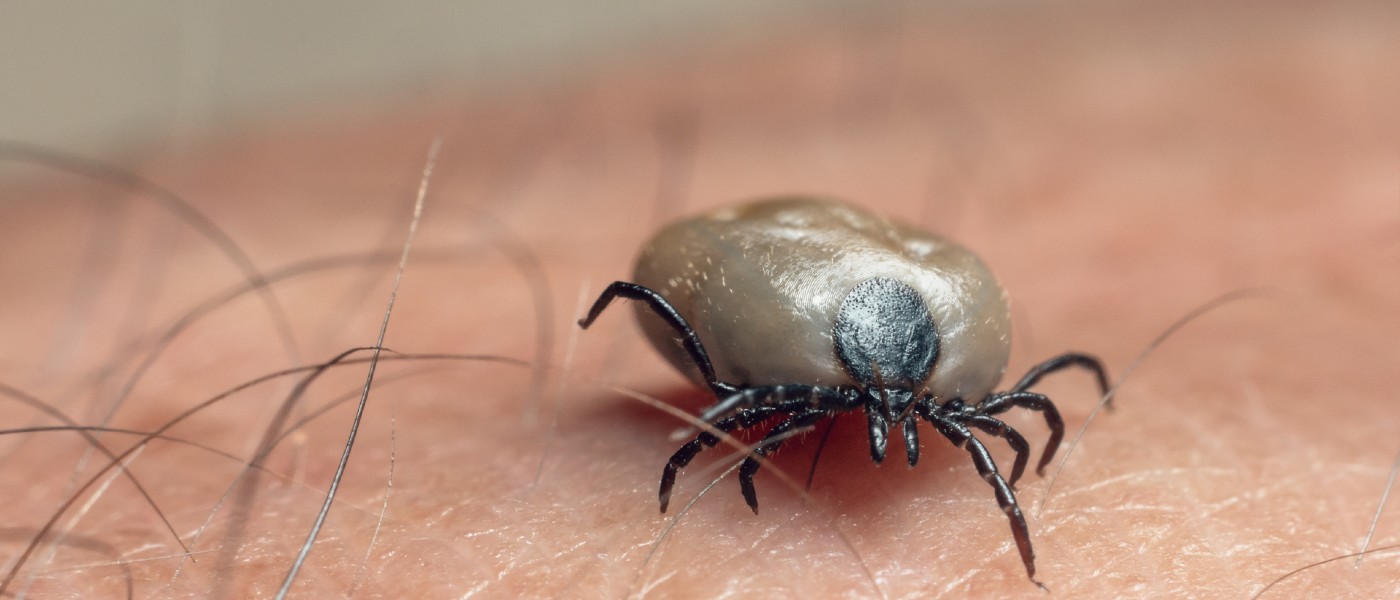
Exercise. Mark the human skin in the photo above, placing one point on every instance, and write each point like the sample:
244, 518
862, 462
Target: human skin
1116, 168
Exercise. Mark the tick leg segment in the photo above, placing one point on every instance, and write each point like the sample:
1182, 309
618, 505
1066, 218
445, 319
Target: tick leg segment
668, 313
770, 444
830, 398
685, 454
911, 438
879, 430
962, 437
1064, 361
1013, 438
1004, 401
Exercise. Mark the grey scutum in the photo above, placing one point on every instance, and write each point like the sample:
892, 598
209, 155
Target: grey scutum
883, 324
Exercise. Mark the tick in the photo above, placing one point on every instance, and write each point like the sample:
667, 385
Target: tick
795, 310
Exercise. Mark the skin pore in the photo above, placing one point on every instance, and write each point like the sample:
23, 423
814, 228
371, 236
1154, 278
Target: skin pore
1116, 168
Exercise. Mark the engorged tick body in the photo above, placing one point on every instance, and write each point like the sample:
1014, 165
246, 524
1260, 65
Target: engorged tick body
794, 310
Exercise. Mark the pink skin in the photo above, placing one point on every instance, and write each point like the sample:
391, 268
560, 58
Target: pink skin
1115, 169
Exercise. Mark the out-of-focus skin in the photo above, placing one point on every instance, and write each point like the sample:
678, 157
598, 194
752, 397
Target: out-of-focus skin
1115, 167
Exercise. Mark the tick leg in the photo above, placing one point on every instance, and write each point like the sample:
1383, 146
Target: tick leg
770, 444
831, 399
879, 432
662, 308
911, 438
1013, 438
1004, 401
792, 395
748, 397
960, 436
706, 439
1064, 361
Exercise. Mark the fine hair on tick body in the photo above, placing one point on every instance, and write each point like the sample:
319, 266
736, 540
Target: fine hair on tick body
794, 310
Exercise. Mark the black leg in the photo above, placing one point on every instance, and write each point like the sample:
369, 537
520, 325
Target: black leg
771, 443
1013, 438
1064, 361
911, 439
686, 453
879, 431
1004, 401
960, 436
830, 398
668, 313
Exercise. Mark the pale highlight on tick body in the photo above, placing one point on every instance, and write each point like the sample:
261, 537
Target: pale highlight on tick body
762, 284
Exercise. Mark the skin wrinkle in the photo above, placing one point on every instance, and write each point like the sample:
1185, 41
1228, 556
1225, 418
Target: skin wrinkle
1144, 161
1182, 525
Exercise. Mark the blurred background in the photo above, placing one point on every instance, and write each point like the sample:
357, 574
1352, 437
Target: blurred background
84, 75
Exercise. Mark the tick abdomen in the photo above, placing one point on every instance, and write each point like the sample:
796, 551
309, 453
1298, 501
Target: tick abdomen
762, 284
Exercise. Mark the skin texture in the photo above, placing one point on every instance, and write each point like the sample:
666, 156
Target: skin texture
1116, 168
